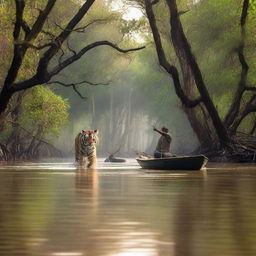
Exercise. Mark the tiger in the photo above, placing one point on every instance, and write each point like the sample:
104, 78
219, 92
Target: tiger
85, 148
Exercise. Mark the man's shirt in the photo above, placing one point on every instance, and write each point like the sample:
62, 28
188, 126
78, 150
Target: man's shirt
164, 143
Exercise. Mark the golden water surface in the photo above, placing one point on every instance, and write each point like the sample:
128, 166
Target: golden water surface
121, 210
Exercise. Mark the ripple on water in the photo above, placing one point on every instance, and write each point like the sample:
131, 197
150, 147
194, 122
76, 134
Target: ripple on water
122, 210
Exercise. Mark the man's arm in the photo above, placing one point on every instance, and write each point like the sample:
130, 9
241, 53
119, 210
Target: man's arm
161, 132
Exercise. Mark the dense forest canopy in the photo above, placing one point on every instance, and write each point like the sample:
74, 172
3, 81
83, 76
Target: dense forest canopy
195, 76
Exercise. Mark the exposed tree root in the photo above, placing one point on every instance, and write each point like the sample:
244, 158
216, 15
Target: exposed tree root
242, 149
24, 152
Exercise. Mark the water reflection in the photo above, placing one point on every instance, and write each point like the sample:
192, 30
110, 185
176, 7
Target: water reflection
217, 216
119, 238
87, 180
128, 212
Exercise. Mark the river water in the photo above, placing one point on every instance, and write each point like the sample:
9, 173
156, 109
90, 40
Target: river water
121, 210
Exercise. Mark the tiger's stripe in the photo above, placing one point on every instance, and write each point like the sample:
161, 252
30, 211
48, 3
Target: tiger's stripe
85, 148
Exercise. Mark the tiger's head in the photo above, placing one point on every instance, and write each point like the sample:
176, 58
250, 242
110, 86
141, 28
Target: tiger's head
90, 136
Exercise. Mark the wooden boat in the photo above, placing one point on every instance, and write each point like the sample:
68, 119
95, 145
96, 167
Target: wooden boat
196, 162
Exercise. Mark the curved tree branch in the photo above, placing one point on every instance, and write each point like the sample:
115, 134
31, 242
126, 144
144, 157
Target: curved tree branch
83, 28
39, 79
42, 75
78, 83
17, 52
20, 5
79, 93
250, 88
50, 53
25, 27
182, 44
172, 70
87, 48
35, 47
247, 109
180, 40
236, 103
40, 21
69, 48
20, 51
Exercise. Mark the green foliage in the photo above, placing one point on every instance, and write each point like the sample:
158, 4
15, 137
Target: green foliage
131, 28
46, 114
253, 5
5, 38
44, 111
214, 32
213, 29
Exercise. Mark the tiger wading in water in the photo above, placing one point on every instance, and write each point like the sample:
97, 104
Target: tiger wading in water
85, 148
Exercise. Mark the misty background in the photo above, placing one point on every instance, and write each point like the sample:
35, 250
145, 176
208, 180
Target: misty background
133, 93
124, 112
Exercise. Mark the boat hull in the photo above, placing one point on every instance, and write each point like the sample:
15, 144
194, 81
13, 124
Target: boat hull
174, 163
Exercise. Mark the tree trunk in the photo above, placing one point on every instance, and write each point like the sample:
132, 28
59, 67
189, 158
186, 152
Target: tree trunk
252, 132
30, 151
182, 48
5, 97
197, 116
180, 43
236, 102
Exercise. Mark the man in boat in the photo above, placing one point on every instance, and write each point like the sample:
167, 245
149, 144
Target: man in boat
164, 143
